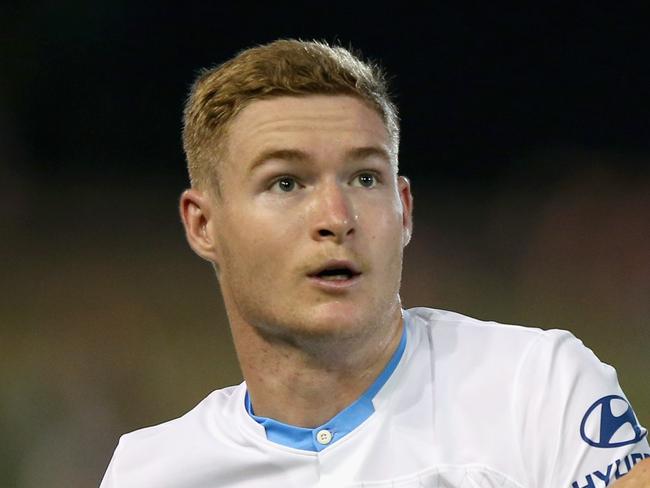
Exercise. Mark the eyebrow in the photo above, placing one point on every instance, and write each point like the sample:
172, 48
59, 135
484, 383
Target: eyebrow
293, 155
296, 155
370, 152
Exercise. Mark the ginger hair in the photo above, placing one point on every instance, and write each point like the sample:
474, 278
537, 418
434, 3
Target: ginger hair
283, 67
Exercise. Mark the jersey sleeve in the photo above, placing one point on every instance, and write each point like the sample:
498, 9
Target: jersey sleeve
577, 428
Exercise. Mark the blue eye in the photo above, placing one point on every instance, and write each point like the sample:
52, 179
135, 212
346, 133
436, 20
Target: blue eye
366, 180
285, 184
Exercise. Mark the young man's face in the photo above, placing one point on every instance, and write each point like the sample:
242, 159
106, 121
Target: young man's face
312, 220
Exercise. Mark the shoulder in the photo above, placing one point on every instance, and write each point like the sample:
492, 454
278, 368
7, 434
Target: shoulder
458, 334
543, 391
512, 359
156, 452
200, 419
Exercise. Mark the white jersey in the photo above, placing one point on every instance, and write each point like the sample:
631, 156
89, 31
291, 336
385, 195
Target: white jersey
462, 403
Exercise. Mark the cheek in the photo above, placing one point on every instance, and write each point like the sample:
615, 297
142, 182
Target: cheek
254, 242
386, 227
388, 241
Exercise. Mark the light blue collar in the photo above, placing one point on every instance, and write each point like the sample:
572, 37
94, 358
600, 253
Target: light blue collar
338, 426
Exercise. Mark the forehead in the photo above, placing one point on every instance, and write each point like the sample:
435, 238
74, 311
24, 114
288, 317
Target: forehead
338, 120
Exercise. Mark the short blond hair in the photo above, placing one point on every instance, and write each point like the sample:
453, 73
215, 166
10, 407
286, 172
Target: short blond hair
283, 67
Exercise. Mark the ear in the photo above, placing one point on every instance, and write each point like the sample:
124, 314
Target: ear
198, 215
404, 189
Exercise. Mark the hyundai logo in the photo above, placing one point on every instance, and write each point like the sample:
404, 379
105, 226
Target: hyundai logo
610, 422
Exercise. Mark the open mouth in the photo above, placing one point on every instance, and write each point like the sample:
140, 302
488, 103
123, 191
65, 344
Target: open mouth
336, 274
336, 271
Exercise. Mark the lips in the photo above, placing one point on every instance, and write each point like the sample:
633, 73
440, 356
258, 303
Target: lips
336, 275
336, 270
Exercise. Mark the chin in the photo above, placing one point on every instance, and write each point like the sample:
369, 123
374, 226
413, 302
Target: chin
338, 319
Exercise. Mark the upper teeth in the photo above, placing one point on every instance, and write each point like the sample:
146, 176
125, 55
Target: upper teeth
335, 277
335, 274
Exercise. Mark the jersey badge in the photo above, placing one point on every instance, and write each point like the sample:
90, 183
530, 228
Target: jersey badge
611, 422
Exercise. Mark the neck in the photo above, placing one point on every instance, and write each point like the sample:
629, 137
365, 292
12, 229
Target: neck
307, 382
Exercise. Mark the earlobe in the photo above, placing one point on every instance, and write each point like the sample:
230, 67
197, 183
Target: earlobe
407, 237
197, 214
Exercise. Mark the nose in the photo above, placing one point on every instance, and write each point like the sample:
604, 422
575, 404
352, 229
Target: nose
334, 217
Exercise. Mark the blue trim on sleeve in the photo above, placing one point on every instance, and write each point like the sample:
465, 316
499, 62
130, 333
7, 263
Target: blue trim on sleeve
341, 424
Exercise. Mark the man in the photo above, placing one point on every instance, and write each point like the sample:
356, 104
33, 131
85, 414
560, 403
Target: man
296, 201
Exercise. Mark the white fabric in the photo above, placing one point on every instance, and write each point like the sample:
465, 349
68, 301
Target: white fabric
471, 404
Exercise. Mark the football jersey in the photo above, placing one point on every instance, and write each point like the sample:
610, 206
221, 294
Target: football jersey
462, 403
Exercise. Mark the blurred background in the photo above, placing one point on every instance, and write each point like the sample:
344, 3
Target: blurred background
525, 134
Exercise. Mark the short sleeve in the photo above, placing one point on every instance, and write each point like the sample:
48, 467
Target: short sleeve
577, 428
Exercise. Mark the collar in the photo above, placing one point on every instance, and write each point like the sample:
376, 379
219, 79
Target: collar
337, 427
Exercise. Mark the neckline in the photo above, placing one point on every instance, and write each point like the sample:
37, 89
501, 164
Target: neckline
348, 419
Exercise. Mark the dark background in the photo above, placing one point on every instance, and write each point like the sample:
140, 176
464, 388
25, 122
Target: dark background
525, 133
